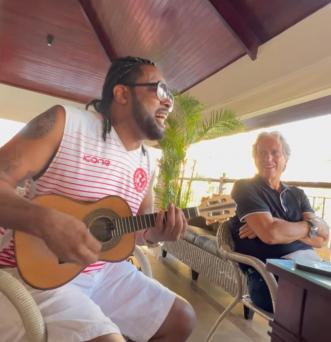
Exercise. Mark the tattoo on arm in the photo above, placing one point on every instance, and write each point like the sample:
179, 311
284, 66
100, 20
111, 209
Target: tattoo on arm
9, 163
40, 125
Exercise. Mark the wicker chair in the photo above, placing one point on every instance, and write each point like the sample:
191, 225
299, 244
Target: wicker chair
226, 251
27, 308
25, 305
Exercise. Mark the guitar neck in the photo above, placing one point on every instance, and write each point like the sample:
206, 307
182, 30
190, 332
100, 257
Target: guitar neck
125, 225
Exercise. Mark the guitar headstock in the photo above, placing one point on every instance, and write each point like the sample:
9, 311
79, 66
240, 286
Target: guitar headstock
217, 208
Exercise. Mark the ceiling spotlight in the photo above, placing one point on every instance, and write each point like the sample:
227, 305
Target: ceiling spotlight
50, 39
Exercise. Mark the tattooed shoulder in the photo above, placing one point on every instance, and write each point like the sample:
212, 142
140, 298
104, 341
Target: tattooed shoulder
41, 125
9, 163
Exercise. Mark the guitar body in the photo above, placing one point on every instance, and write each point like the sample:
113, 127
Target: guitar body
41, 269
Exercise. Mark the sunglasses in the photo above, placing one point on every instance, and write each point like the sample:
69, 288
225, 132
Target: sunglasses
162, 91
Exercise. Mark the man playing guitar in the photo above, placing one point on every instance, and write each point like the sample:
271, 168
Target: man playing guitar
86, 156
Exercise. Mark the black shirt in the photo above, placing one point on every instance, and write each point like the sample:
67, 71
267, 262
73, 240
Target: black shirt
255, 196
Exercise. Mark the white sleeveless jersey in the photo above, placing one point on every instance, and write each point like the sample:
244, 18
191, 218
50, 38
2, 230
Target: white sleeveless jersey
87, 168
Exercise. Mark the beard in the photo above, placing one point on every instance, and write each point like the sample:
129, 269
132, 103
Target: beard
147, 123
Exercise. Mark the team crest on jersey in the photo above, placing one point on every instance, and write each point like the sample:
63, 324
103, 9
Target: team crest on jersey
140, 179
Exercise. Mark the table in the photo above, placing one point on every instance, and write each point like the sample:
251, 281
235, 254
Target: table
303, 306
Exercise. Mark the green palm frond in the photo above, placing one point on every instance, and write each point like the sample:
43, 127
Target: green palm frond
220, 123
185, 126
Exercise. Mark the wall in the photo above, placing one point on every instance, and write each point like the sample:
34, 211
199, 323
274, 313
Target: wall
22, 105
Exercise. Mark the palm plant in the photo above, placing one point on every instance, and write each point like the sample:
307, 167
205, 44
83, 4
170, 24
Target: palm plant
185, 126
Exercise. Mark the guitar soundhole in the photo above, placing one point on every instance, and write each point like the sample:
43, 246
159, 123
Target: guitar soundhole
101, 229
101, 224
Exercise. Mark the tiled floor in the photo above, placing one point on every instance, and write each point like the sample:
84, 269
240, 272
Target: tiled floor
208, 301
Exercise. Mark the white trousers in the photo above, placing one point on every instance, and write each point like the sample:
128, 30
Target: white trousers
116, 299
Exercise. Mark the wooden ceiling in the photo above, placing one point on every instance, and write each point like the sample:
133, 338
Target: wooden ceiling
189, 40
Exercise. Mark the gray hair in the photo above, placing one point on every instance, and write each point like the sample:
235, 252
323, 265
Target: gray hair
276, 135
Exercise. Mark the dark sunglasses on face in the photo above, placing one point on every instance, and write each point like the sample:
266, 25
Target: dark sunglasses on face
162, 91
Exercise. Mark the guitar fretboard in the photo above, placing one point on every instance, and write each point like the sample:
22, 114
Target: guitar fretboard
125, 225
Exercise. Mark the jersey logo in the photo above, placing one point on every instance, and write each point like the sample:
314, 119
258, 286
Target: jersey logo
140, 179
96, 160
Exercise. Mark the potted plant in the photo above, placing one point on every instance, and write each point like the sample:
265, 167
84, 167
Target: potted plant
186, 125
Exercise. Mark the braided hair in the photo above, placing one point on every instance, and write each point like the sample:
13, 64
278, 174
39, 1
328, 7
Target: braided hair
125, 69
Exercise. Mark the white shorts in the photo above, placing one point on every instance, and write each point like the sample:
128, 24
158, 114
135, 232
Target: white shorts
116, 299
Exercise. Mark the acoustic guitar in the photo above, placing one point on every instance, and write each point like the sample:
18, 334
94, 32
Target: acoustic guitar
109, 220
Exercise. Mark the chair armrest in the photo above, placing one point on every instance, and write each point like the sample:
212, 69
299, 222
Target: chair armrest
143, 261
259, 266
224, 249
27, 308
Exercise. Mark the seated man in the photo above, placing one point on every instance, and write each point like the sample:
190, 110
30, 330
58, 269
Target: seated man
273, 220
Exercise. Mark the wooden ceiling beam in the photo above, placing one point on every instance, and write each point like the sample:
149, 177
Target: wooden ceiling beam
98, 28
238, 26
